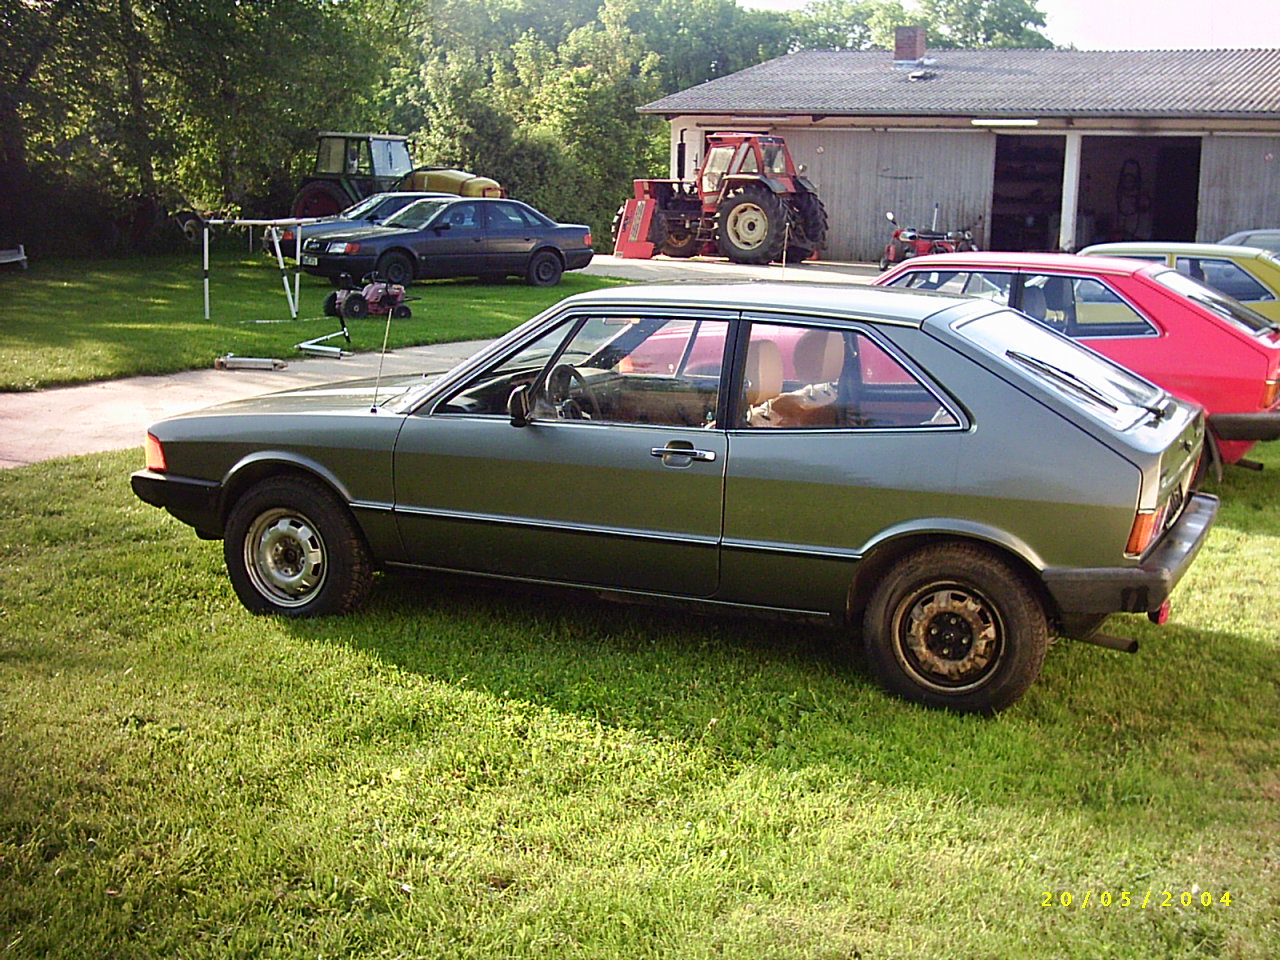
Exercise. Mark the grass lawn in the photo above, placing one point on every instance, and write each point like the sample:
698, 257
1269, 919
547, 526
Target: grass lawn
72, 321
480, 772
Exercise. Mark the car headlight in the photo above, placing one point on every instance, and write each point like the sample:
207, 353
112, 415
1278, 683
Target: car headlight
342, 246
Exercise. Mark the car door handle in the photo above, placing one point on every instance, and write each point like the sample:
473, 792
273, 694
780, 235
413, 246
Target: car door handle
704, 456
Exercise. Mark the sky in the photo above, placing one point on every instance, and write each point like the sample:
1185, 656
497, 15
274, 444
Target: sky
1142, 24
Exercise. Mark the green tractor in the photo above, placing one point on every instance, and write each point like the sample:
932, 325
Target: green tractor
352, 166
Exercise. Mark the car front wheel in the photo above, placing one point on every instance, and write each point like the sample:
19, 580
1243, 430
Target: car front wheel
293, 549
955, 626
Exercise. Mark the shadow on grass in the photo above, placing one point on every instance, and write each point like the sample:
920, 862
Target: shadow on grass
1101, 732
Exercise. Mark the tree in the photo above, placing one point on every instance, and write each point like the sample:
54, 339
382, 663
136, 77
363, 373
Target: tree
984, 23
848, 24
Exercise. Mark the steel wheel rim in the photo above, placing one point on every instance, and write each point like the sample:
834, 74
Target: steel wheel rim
948, 636
285, 557
544, 269
747, 225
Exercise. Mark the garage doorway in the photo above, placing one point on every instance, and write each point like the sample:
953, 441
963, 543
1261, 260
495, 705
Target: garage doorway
1131, 188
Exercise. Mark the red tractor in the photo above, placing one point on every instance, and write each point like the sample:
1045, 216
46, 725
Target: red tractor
749, 203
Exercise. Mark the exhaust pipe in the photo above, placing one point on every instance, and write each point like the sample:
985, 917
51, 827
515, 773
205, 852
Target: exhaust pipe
1113, 643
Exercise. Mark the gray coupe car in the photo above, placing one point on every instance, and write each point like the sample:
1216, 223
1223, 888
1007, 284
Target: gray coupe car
941, 477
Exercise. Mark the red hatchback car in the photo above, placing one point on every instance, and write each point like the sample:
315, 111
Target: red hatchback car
1195, 342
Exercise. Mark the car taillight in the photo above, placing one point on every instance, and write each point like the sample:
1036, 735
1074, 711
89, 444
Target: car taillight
587, 239
1145, 525
155, 454
1270, 394
287, 236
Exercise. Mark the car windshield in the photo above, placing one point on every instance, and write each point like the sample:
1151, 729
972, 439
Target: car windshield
1228, 308
1088, 380
416, 214
360, 210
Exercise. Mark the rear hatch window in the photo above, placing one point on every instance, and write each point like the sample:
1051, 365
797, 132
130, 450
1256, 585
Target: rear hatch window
1229, 309
1088, 381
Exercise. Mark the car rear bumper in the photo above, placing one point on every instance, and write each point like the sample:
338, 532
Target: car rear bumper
194, 502
1246, 426
577, 259
1139, 589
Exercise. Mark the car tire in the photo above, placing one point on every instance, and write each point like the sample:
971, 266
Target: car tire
955, 626
355, 306
545, 269
331, 308
293, 549
395, 267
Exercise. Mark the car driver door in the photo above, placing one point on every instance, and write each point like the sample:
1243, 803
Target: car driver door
617, 479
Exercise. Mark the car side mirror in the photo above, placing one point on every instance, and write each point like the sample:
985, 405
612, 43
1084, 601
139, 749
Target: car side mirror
519, 406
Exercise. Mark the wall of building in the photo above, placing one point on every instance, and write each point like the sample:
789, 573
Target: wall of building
1239, 185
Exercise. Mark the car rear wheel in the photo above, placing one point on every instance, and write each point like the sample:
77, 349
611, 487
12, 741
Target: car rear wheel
293, 549
544, 269
395, 268
955, 626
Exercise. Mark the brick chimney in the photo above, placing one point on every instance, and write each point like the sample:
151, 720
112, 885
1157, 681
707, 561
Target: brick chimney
908, 44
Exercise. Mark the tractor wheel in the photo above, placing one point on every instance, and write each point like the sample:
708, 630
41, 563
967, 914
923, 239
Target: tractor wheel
331, 308
395, 267
809, 227
751, 225
401, 311
355, 306
681, 241
319, 199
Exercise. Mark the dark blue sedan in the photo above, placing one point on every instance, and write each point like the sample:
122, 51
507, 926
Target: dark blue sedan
454, 237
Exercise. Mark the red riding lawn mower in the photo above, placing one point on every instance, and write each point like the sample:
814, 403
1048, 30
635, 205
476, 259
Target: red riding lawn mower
749, 203
372, 296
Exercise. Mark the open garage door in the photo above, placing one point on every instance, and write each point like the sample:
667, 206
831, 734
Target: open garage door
1128, 188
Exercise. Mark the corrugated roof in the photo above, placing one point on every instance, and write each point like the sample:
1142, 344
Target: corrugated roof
1142, 83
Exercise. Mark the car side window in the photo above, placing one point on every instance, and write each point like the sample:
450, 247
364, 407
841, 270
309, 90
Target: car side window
1225, 277
637, 370
987, 285
802, 377
1081, 307
507, 215
633, 370
464, 217
487, 392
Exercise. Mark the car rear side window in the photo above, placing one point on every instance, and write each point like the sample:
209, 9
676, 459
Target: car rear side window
800, 377
1225, 277
1081, 307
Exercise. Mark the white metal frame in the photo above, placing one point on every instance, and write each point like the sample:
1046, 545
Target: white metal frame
292, 294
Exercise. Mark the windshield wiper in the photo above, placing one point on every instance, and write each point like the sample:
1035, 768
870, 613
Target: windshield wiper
1072, 380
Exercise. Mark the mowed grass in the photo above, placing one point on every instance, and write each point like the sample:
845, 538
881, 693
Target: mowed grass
484, 772
73, 321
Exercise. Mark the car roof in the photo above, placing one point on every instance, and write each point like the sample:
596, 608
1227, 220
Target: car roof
842, 300
1157, 246
997, 259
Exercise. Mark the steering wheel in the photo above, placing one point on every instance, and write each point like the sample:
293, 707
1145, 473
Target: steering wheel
560, 391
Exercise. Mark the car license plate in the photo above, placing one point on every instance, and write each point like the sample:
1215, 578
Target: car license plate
309, 261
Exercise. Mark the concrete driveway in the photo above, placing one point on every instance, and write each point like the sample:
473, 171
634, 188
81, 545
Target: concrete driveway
114, 414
